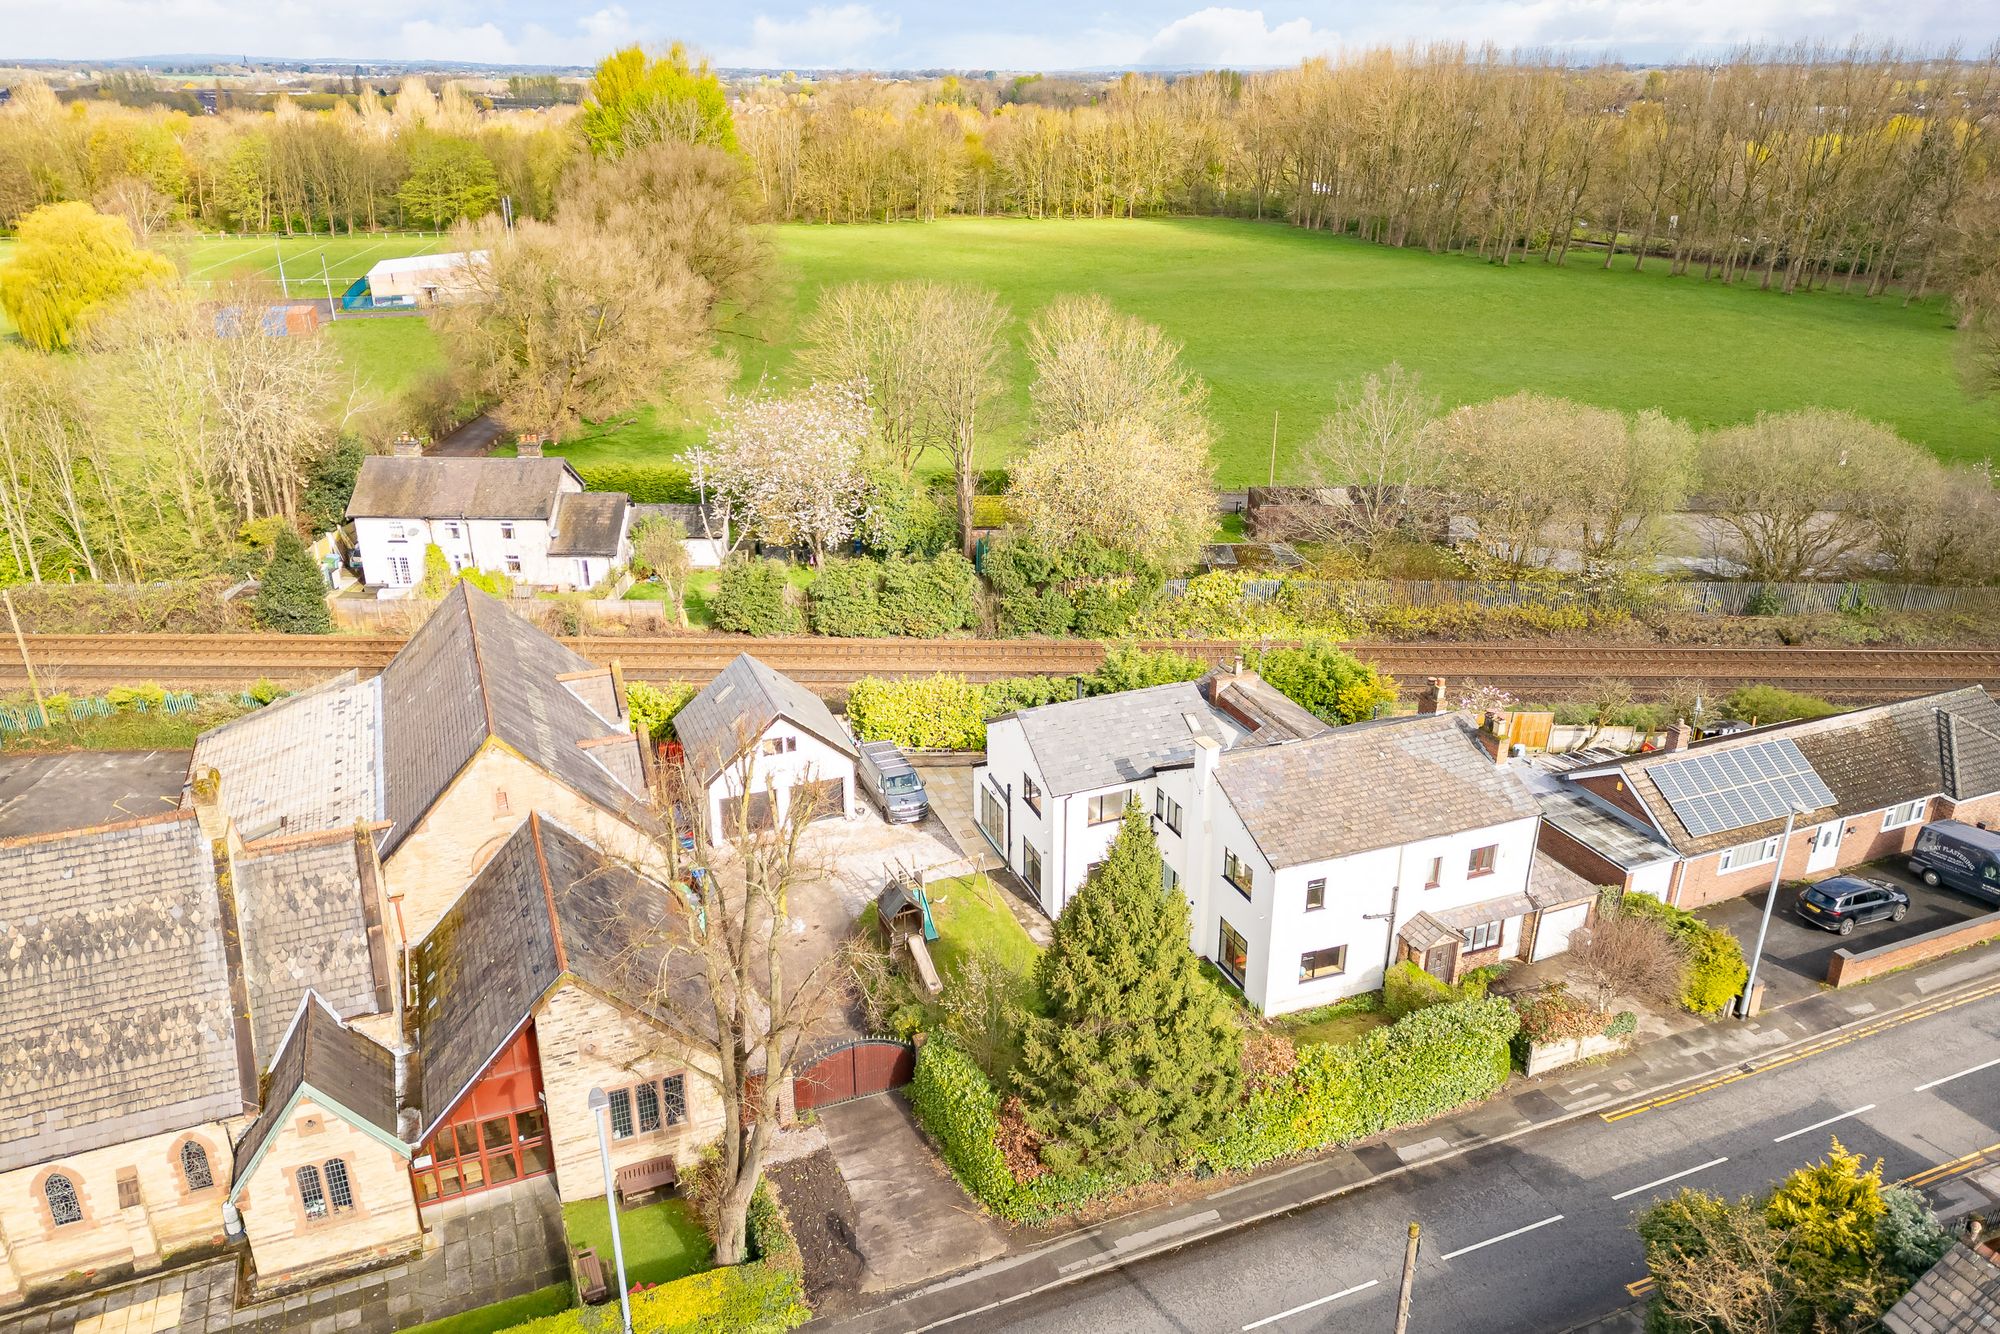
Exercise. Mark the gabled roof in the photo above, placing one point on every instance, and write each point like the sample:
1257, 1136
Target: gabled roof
547, 907
115, 1016
589, 523
1085, 744
729, 713
309, 920
1611, 834
476, 671
1870, 758
334, 1065
437, 259
1369, 785
404, 487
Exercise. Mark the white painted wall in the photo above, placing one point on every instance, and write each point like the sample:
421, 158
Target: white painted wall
812, 760
481, 544
1656, 879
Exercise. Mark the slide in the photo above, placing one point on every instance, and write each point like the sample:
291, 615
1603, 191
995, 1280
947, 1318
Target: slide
926, 970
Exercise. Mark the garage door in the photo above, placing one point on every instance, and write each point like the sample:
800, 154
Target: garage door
827, 797
732, 808
1552, 937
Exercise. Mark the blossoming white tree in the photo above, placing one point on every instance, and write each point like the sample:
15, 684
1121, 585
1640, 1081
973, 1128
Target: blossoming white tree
789, 467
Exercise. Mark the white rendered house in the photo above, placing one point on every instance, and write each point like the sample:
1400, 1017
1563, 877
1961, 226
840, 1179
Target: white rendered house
755, 736
1312, 858
529, 519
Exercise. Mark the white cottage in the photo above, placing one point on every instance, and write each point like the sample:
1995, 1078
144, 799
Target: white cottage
529, 519
755, 735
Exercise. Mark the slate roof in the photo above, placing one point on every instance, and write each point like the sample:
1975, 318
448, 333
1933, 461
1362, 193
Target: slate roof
547, 906
1606, 832
397, 487
589, 523
1085, 744
1369, 785
1869, 759
1960, 1294
309, 762
1272, 715
308, 922
734, 709
114, 990
324, 1056
1553, 885
701, 521
474, 671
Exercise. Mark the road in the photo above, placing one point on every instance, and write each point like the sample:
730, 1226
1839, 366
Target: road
1535, 1234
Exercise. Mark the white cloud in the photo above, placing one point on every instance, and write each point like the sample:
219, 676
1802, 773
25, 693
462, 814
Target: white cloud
824, 37
480, 42
1236, 37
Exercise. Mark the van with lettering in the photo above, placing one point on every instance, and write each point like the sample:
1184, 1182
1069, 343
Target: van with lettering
1959, 856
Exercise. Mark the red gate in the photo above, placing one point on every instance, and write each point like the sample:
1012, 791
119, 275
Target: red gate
853, 1070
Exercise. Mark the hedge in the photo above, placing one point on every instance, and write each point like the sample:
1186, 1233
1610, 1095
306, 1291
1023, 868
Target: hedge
924, 598
843, 600
1716, 971
1422, 1066
942, 712
647, 483
752, 597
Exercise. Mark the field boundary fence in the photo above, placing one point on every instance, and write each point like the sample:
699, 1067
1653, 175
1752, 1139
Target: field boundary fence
1711, 597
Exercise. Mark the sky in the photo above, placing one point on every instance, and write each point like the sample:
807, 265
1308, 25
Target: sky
974, 34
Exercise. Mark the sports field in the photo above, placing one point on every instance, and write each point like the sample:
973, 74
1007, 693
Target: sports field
304, 265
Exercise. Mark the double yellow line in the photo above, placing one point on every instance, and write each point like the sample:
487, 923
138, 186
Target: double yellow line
1867, 1030
1930, 1176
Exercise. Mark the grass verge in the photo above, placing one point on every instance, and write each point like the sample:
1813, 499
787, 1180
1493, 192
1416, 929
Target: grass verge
663, 1240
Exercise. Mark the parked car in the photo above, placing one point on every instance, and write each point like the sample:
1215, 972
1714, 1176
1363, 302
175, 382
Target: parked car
1845, 900
888, 777
1959, 856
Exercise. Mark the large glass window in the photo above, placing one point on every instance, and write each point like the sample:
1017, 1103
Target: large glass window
1748, 854
1167, 810
992, 817
1236, 871
1108, 807
621, 1114
673, 1098
1031, 794
1232, 953
485, 1152
1314, 964
1031, 865
339, 1195
1485, 936
1906, 814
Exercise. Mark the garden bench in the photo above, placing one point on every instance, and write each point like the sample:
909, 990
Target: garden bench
590, 1277
650, 1175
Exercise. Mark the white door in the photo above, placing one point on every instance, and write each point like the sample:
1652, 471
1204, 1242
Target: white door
1825, 847
1552, 936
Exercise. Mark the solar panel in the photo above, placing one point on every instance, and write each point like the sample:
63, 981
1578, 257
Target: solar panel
1741, 786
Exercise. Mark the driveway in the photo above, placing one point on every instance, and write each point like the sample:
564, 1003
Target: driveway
1796, 954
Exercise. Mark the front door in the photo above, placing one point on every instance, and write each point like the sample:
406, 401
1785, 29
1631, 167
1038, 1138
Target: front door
1825, 849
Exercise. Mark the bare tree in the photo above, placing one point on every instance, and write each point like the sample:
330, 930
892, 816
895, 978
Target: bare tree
957, 376
661, 545
1381, 444
1930, 521
1511, 461
566, 324
1619, 954
1122, 483
1094, 366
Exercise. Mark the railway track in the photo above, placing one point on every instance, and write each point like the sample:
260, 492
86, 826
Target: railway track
94, 662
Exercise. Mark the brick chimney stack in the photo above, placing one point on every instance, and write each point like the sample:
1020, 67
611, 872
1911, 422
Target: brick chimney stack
406, 446
1432, 700
1679, 735
528, 447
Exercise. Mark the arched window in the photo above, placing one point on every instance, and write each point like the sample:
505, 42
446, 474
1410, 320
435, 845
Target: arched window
339, 1194
64, 1206
194, 1166
311, 1193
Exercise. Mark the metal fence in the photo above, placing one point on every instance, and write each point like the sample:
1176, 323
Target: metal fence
33, 718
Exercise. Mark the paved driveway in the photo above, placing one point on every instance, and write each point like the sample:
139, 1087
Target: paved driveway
1796, 954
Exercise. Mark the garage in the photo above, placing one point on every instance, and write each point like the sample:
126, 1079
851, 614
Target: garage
1552, 936
829, 797
732, 812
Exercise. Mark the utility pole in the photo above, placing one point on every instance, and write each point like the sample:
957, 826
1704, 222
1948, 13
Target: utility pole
1409, 1277
1770, 899
1271, 478
21, 642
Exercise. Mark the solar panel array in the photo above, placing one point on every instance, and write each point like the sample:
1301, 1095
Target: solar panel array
1741, 786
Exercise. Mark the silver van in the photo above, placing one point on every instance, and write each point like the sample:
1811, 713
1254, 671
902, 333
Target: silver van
893, 783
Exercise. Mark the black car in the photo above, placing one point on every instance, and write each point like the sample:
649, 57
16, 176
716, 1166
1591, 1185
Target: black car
1839, 903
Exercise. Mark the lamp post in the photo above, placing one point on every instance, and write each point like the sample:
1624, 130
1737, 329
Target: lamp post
600, 1112
1770, 901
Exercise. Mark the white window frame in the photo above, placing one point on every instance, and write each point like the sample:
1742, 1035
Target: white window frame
451, 530
506, 530
1746, 855
399, 571
1118, 798
1904, 814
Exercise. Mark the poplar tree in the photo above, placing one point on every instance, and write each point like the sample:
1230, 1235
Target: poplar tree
1134, 1056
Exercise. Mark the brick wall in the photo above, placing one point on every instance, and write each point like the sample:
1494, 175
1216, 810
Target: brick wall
284, 1243
1848, 967
1614, 789
35, 1253
1585, 861
1862, 840
586, 1043
1979, 810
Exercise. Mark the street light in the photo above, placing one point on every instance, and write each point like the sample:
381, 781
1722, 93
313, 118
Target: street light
600, 1107
1770, 899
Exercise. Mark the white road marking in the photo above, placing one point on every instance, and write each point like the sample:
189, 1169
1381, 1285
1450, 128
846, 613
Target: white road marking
1467, 1250
1286, 1315
1713, 1162
1817, 1124
1985, 1065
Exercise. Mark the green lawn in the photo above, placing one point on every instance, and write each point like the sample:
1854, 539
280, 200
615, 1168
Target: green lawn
1336, 1024
1276, 318
971, 915
663, 1241
307, 263
387, 355
501, 1315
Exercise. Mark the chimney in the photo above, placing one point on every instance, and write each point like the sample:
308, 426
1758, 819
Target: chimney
406, 446
528, 447
1432, 700
1493, 735
1678, 736
208, 808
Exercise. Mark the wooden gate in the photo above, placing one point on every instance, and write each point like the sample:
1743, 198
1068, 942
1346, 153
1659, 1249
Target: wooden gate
854, 1069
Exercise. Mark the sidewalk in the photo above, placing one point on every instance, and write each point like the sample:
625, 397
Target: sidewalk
1658, 1068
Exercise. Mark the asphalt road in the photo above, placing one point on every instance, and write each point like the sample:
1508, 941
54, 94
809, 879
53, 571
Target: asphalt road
1535, 1234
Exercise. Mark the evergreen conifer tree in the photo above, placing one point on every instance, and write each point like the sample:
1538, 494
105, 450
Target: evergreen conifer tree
1134, 1056
291, 595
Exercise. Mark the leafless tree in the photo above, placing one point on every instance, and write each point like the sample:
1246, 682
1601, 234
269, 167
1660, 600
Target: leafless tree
1094, 366
1511, 462
1381, 444
1930, 521
661, 545
1619, 954
1122, 483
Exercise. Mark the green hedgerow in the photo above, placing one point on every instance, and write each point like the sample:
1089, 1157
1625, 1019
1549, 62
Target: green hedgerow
924, 598
752, 598
1716, 970
843, 599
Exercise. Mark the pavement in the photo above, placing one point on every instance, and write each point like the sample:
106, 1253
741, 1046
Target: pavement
908, 1208
484, 1248
42, 794
474, 440
1907, 1067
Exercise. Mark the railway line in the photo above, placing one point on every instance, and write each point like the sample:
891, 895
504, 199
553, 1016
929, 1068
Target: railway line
93, 662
